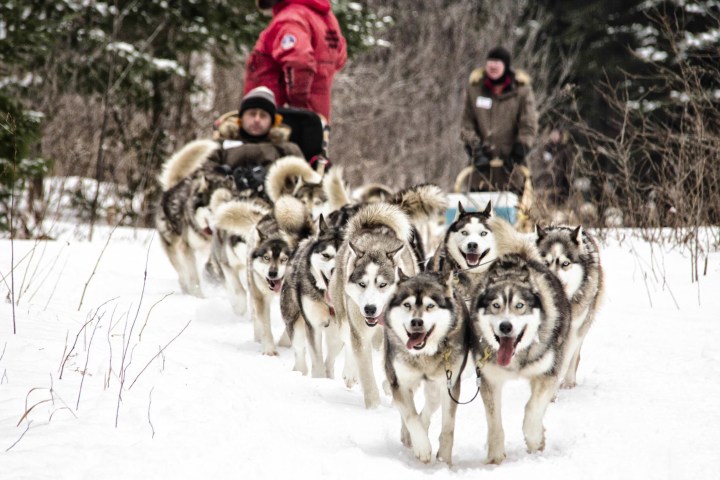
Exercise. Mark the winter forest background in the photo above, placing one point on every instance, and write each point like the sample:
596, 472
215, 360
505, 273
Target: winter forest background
108, 90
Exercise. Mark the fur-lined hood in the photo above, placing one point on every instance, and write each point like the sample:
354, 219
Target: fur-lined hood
522, 78
228, 125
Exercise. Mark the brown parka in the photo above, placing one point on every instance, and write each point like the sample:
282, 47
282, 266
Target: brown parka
253, 152
495, 123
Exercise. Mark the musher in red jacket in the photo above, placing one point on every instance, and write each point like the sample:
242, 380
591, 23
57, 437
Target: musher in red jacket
298, 54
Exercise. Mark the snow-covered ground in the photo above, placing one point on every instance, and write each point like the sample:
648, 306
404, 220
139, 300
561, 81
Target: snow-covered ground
198, 400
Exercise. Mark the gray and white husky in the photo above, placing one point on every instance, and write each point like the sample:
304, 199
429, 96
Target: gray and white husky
376, 244
305, 305
471, 244
426, 342
574, 256
521, 318
184, 215
271, 241
233, 221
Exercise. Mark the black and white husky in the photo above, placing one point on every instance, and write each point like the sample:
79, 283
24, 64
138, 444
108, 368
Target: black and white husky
233, 222
426, 342
184, 215
574, 256
377, 242
521, 317
471, 245
305, 305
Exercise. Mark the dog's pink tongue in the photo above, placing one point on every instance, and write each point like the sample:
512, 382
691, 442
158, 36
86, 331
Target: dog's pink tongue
505, 353
415, 339
472, 258
276, 284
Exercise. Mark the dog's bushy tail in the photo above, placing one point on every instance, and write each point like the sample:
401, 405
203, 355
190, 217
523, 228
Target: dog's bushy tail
376, 215
373, 192
421, 202
335, 189
293, 218
238, 216
184, 162
283, 174
510, 241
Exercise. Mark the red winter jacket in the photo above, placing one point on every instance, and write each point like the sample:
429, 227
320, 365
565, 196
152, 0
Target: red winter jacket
298, 54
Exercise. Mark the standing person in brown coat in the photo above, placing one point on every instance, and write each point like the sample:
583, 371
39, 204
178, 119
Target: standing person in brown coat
499, 123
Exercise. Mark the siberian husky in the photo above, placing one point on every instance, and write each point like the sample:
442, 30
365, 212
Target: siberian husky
426, 342
573, 255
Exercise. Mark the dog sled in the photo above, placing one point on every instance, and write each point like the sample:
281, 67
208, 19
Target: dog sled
506, 204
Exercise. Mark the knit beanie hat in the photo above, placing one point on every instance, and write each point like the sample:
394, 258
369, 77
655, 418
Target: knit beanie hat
499, 53
259, 97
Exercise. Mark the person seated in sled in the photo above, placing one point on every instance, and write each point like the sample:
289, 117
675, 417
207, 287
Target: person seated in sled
499, 124
253, 140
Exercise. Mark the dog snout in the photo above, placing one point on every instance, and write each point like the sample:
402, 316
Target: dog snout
272, 274
472, 246
370, 310
416, 323
506, 327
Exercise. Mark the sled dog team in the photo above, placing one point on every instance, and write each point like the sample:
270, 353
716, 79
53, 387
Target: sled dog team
353, 274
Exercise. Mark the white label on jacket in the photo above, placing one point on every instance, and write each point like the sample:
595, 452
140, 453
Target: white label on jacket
228, 144
483, 102
288, 41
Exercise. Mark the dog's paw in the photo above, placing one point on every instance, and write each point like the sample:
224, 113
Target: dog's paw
350, 378
372, 401
535, 445
270, 352
300, 368
495, 458
422, 450
567, 384
444, 455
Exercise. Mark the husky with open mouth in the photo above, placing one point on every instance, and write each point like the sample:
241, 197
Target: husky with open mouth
376, 244
471, 244
426, 342
574, 256
305, 303
521, 318
271, 244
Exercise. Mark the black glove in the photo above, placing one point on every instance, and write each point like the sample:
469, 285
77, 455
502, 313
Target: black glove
517, 156
480, 158
250, 177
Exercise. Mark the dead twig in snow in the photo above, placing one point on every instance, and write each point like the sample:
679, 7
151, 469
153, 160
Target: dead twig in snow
147, 317
102, 252
87, 360
158, 354
21, 436
62, 365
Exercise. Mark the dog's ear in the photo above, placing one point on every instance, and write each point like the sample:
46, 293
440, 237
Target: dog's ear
488, 212
576, 235
260, 236
391, 254
356, 250
322, 226
540, 232
401, 275
460, 210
